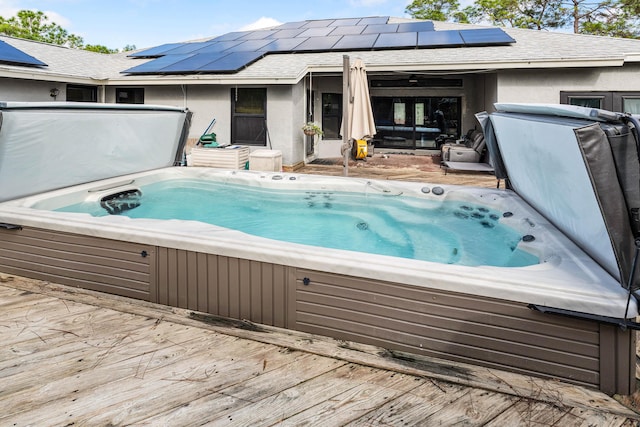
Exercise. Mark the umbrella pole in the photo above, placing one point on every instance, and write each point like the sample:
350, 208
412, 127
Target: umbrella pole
345, 113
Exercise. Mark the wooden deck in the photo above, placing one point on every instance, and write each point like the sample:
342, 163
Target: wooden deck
77, 357
403, 167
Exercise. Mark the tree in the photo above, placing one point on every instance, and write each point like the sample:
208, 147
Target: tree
99, 48
532, 14
607, 18
616, 18
35, 25
436, 10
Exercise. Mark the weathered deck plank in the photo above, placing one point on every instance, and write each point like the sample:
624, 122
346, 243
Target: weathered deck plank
200, 380
354, 404
580, 417
475, 408
329, 389
9, 297
536, 413
345, 399
302, 367
87, 368
25, 331
411, 408
88, 358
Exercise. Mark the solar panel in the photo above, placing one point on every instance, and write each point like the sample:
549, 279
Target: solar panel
342, 31
449, 38
376, 20
251, 45
229, 36
155, 51
290, 25
316, 32
394, 40
12, 55
155, 65
380, 28
317, 43
187, 48
361, 41
286, 34
485, 36
416, 26
283, 45
346, 22
218, 46
257, 35
231, 62
192, 63
227, 52
321, 23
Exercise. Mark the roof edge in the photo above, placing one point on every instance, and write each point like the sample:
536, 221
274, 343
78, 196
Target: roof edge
28, 74
461, 66
632, 57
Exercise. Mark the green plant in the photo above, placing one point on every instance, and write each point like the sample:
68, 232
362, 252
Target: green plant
311, 128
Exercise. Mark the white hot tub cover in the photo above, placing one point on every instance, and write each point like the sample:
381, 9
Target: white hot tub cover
580, 168
46, 146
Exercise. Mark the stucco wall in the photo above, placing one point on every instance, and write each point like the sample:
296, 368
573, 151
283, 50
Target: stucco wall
545, 85
204, 101
481, 97
280, 121
285, 113
30, 90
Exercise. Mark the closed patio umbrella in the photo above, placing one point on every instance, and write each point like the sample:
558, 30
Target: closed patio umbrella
361, 124
359, 121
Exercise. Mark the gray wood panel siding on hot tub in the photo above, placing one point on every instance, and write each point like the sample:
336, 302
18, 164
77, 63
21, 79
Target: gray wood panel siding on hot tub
105, 265
455, 326
224, 286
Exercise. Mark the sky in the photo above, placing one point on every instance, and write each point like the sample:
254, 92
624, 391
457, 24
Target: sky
147, 23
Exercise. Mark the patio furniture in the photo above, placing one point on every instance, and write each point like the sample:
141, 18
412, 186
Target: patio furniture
466, 156
470, 150
229, 157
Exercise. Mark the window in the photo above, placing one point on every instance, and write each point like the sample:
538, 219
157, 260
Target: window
596, 102
631, 105
248, 116
414, 122
623, 102
79, 93
130, 95
331, 115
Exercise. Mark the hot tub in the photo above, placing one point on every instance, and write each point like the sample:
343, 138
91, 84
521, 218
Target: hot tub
480, 314
563, 277
476, 314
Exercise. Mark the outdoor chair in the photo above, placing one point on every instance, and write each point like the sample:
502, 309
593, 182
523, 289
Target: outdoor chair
470, 150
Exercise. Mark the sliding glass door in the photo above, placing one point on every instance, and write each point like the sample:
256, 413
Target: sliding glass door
414, 122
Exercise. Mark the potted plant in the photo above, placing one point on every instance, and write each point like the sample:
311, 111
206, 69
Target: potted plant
311, 129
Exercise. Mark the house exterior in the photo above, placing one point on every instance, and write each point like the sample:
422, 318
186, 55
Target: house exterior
264, 103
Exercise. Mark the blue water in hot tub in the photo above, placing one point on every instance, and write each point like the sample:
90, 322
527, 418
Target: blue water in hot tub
431, 230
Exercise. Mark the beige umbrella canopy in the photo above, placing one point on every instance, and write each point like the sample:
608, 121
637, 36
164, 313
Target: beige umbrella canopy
359, 121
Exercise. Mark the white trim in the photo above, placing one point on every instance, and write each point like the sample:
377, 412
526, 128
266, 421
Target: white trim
321, 68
